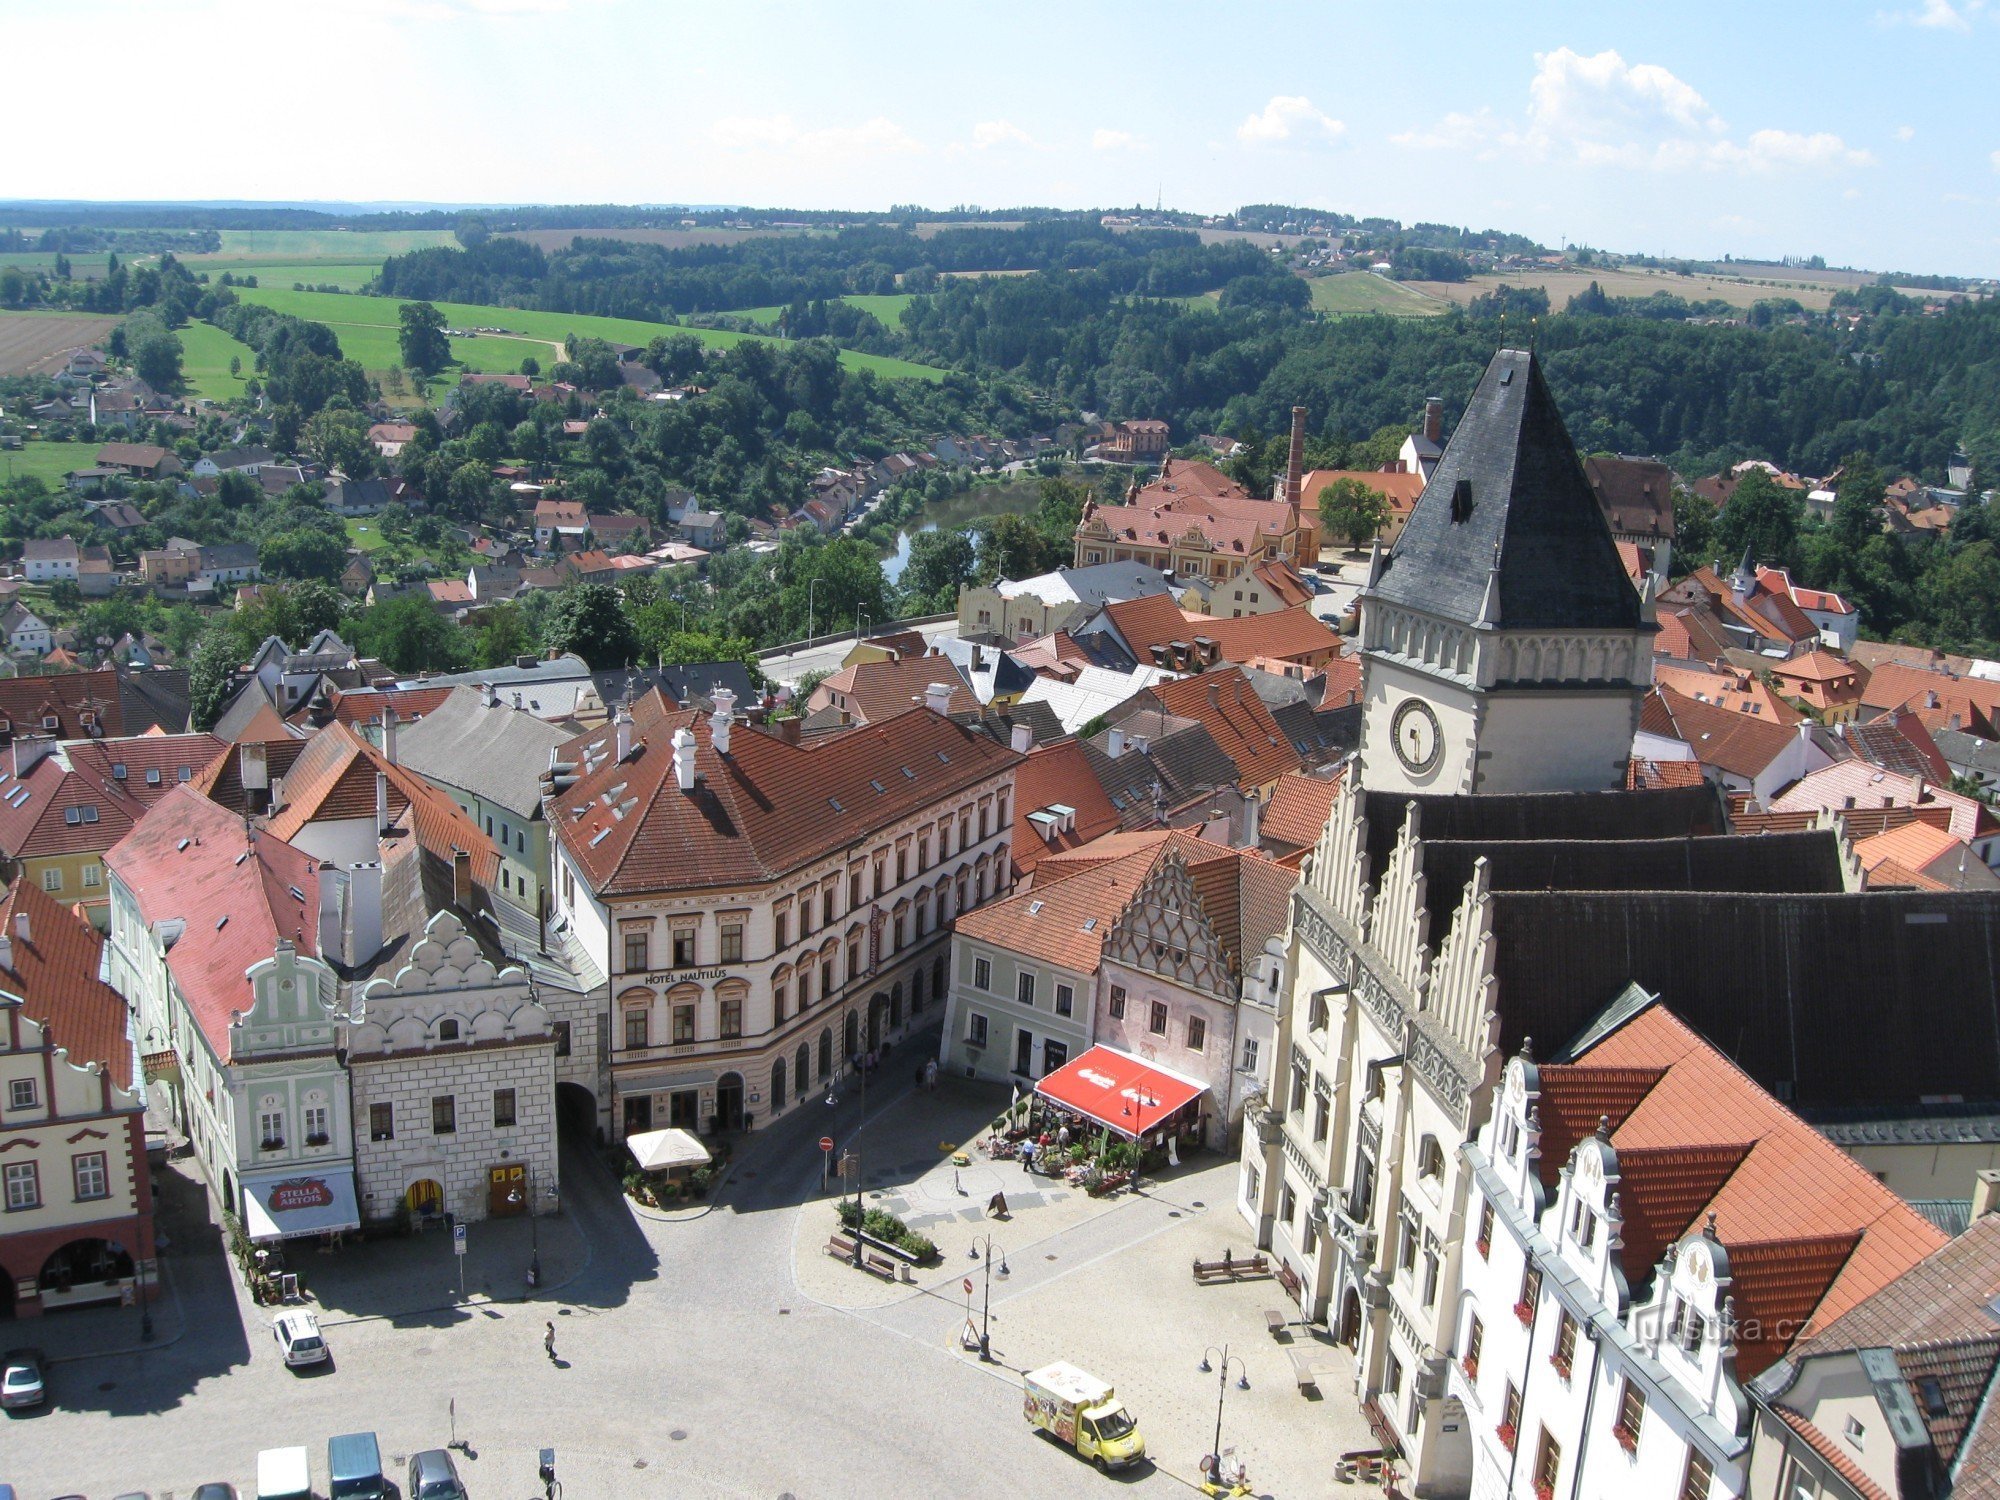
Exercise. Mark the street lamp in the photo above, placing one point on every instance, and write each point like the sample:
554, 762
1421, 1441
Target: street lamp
986, 1308
859, 615
1221, 1369
681, 600
534, 1228
833, 1099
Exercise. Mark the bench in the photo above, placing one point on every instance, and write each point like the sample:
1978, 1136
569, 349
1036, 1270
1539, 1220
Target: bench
1303, 1372
1274, 1322
882, 1266
1253, 1268
840, 1247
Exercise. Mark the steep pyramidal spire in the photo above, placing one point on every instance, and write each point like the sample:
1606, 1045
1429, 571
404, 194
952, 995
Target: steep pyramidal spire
1507, 533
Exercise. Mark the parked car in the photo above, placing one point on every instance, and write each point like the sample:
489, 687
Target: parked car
433, 1476
354, 1468
21, 1382
299, 1338
216, 1491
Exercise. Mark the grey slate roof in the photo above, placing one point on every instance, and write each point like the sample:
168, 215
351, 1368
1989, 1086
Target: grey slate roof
1962, 749
1510, 490
495, 753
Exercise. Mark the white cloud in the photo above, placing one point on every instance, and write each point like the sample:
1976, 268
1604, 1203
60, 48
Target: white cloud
1478, 133
1102, 139
1937, 15
1906, 132
780, 133
990, 133
1778, 150
1288, 117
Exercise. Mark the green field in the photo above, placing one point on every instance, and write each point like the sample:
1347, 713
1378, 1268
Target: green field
295, 245
349, 275
205, 354
47, 461
366, 327
889, 309
364, 535
1365, 292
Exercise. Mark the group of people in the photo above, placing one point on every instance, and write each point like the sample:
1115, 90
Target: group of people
925, 1078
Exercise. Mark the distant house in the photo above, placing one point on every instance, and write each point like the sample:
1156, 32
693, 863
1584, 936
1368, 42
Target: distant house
356, 497
139, 460
83, 481
95, 578
121, 516
616, 532
174, 564
389, 437
231, 562
233, 461
25, 632
559, 518
47, 559
707, 529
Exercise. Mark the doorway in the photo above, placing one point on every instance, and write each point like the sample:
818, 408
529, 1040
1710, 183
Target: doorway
1350, 1320
1024, 1052
506, 1190
777, 1085
729, 1102
424, 1197
684, 1109
638, 1113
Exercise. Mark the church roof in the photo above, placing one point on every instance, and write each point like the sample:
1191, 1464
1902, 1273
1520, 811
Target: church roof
1510, 494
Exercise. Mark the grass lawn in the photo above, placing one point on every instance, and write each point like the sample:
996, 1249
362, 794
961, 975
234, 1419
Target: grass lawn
889, 309
1365, 292
205, 354
364, 534
47, 461
367, 330
349, 275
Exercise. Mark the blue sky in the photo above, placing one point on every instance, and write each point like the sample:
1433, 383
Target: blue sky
1867, 133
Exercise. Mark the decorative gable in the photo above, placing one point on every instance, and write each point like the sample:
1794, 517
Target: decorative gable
1164, 930
448, 993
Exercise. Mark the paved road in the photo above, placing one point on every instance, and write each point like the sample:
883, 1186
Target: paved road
827, 658
690, 1364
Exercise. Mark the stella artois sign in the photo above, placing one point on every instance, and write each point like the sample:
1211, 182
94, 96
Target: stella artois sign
300, 1192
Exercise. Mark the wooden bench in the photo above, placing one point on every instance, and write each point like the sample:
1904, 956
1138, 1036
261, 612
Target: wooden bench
1253, 1268
1303, 1372
882, 1266
1275, 1322
840, 1247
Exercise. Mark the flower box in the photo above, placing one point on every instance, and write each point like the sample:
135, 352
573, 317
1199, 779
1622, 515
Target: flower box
1627, 1438
1525, 1313
1505, 1432
1471, 1367
319, 1140
1544, 1491
270, 1145
1484, 1247
1562, 1366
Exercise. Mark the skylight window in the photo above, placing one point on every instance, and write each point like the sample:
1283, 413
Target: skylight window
1035, 908
834, 803
1090, 924
911, 775
599, 837
118, 770
222, 921
879, 788
943, 759
152, 776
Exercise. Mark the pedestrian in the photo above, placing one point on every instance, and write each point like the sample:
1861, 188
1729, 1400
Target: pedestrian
1062, 1137
549, 1343
930, 1075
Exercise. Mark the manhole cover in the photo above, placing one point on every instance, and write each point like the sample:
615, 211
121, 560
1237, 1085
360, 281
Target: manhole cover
1199, 1204
1173, 1213
108, 1385
679, 1434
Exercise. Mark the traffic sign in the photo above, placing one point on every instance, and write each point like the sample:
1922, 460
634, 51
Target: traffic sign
967, 1284
458, 1239
826, 1143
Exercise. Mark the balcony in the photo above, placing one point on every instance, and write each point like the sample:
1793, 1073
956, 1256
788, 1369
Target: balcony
1352, 1231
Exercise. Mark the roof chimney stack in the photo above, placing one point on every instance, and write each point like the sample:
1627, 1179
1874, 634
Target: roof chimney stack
381, 803
21, 928
937, 698
624, 730
389, 735
1986, 1192
1114, 742
1023, 739
364, 910
1434, 419
723, 717
684, 758
1295, 467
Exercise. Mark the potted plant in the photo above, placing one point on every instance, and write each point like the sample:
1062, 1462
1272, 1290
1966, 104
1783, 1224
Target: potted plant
1505, 1432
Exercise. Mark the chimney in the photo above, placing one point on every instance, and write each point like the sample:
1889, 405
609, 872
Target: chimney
978, 657
1295, 466
1434, 419
364, 912
1253, 821
791, 729
937, 698
517, 702
30, 749
381, 802
21, 928
1114, 742
624, 728
1023, 739
684, 759
1985, 1192
461, 881
6, 951
253, 766
389, 735
332, 884
723, 717
277, 793
524, 663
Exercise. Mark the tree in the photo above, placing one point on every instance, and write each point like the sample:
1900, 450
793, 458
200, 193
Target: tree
1857, 502
421, 338
531, 367
156, 359
211, 674
851, 585
1694, 529
1761, 518
235, 366
1011, 546
303, 554
1349, 508
589, 620
501, 635
939, 562
410, 636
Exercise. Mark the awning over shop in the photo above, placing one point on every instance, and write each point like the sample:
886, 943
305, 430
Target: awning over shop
659, 1083
663, 1150
1119, 1091
285, 1205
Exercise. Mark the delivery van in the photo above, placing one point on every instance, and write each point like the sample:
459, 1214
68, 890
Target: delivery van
284, 1474
1082, 1412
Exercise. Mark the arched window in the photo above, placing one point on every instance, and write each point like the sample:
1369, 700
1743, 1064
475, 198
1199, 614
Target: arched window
1430, 1159
777, 1085
850, 1039
825, 1053
801, 1069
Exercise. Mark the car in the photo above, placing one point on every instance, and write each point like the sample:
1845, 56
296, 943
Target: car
133, 1495
217, 1491
21, 1381
299, 1338
433, 1476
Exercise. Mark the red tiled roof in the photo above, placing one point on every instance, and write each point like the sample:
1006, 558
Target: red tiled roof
1053, 774
1284, 582
1281, 634
1657, 775
1973, 700
1850, 1472
1224, 702
1299, 807
1575, 1097
1724, 738
871, 691
194, 861
764, 809
54, 971
82, 778
365, 705
1662, 1189
1400, 489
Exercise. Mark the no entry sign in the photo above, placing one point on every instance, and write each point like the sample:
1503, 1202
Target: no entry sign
826, 1143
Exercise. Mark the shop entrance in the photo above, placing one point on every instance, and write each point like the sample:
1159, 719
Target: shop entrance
729, 1102
638, 1113
506, 1190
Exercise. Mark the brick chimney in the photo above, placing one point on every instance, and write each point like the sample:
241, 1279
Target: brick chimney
1295, 466
1434, 419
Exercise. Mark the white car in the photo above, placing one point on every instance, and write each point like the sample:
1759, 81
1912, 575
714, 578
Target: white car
299, 1339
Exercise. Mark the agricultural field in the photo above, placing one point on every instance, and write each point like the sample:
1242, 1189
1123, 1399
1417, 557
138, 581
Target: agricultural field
37, 342
1365, 292
370, 323
348, 275
296, 245
1563, 284
673, 239
887, 308
205, 354
47, 462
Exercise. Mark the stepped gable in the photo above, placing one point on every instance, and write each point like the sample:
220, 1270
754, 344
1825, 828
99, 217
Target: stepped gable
1509, 493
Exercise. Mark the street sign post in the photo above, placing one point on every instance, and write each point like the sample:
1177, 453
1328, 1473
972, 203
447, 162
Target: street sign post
825, 1161
458, 1250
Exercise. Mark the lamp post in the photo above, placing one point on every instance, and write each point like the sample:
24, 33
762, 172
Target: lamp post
681, 600
854, 1151
860, 614
534, 1228
1221, 1369
811, 584
986, 1308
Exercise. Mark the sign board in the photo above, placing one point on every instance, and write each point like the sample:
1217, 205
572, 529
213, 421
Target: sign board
826, 1143
300, 1192
967, 1284
458, 1239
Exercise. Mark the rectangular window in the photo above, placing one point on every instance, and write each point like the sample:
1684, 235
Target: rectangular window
1564, 1357
1406, 1249
1197, 1033
271, 1128
1531, 1293
1288, 1204
854, 888
1485, 1240
1510, 1416
1631, 1416
1054, 1055
1117, 1002
24, 1186
1430, 1277
1065, 1000
317, 1133
1475, 1339
683, 947
381, 1122
1156, 1021
21, 1093
982, 974
732, 942
902, 865
1024, 988
444, 1115
732, 1018
1697, 1477
52, 879
1548, 1463
684, 1019
93, 876
1250, 1054
826, 907
635, 951
560, 1029
503, 1108
781, 923
1392, 1377
92, 1180
1322, 1113
635, 1028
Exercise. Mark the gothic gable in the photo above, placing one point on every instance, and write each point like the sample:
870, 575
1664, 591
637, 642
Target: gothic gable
1164, 930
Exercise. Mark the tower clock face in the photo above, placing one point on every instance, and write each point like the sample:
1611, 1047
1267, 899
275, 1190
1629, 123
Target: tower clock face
1414, 729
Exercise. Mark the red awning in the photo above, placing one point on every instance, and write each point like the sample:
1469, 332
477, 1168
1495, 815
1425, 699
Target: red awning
1120, 1091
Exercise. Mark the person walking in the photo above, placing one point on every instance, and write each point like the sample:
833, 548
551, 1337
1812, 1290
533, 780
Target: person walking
549, 1343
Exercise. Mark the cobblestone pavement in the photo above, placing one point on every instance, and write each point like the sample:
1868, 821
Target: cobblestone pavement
695, 1358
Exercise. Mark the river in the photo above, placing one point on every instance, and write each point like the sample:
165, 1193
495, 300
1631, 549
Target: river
961, 513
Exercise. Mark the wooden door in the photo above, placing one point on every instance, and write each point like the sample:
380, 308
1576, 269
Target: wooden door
506, 1190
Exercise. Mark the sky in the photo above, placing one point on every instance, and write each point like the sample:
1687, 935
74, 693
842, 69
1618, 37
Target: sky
1865, 133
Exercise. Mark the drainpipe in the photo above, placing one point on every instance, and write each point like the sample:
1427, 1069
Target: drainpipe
1589, 1400
1527, 1374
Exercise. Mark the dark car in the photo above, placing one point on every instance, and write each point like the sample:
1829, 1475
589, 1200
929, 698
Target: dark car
433, 1476
214, 1492
21, 1382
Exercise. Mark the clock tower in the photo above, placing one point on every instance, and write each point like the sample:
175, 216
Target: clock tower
1504, 647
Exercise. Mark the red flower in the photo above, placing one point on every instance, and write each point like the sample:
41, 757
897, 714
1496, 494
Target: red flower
1562, 1365
1525, 1313
1507, 1435
1627, 1438
1544, 1491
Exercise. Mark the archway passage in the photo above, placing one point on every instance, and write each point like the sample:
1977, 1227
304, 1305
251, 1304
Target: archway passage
576, 1110
6, 1294
84, 1270
729, 1102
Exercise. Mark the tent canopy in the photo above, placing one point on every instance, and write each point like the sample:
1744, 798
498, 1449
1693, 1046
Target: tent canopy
663, 1150
1121, 1092
285, 1205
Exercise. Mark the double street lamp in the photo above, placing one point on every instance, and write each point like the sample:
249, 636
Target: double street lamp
986, 1309
518, 1199
1221, 1370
